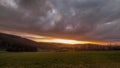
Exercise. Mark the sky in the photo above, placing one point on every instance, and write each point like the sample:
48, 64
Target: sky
88, 20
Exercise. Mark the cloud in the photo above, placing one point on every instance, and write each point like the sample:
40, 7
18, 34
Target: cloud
77, 19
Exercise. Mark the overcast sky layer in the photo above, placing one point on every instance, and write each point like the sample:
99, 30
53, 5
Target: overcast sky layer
91, 20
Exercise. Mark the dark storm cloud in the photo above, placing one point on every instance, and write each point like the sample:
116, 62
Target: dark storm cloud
77, 19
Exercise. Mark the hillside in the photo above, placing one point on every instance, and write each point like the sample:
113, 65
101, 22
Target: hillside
16, 43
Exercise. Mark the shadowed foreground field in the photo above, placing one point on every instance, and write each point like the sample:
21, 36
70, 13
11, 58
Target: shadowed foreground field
83, 59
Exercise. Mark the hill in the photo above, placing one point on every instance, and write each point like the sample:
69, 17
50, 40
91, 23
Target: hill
16, 43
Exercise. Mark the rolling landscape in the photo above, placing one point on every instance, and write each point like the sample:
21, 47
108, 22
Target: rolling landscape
59, 34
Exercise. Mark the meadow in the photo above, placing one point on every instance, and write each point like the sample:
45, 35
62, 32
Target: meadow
82, 59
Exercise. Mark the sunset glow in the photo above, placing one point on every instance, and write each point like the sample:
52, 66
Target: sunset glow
64, 41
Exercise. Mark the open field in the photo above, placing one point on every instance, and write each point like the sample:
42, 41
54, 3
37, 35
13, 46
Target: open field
83, 59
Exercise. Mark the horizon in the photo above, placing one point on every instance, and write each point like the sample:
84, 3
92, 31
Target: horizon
46, 39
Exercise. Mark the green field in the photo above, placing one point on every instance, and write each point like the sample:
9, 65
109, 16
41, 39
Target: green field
83, 59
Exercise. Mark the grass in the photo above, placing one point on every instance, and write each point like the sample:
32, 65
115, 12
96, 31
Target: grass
83, 59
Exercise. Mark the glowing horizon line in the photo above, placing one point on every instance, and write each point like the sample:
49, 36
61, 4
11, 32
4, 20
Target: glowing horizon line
64, 41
